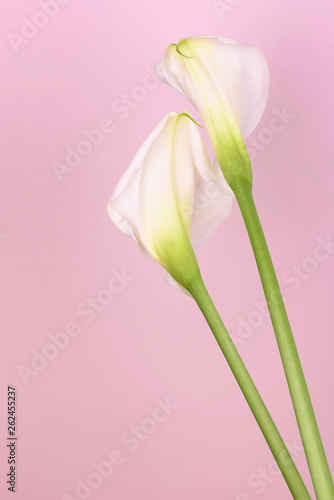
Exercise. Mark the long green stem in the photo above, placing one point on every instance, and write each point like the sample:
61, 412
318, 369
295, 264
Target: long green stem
314, 450
253, 398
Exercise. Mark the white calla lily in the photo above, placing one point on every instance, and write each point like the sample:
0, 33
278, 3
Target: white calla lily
171, 198
228, 83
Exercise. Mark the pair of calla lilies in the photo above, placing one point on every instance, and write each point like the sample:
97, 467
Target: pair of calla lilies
154, 203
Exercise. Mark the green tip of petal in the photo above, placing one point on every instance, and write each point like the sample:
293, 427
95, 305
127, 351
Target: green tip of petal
179, 51
185, 113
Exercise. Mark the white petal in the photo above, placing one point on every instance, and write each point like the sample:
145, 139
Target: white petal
160, 220
171, 198
238, 73
213, 198
123, 205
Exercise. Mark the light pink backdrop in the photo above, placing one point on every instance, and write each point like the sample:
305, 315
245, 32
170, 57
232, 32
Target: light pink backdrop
148, 342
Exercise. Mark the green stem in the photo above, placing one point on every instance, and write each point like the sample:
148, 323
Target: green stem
246, 384
314, 450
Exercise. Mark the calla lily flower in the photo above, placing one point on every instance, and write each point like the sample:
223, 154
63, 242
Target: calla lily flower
155, 200
228, 84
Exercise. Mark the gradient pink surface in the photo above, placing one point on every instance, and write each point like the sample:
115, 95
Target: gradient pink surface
128, 352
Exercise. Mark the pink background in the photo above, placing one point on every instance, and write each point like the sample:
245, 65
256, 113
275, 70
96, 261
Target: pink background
148, 341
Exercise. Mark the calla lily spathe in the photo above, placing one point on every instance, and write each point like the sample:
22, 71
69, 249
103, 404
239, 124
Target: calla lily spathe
228, 83
154, 200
